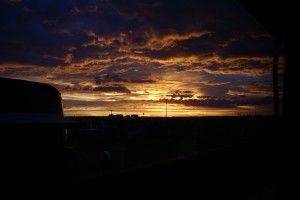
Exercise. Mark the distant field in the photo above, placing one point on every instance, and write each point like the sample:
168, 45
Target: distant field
144, 141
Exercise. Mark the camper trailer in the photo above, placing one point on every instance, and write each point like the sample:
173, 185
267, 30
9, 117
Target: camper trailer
34, 152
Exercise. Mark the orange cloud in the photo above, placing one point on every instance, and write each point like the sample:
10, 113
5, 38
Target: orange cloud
68, 58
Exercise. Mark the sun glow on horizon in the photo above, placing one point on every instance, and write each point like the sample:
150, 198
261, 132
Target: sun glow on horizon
212, 60
158, 109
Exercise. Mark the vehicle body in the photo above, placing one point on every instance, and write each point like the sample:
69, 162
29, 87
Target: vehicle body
34, 151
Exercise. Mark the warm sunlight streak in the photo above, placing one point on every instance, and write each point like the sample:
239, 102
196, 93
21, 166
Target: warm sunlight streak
156, 109
78, 97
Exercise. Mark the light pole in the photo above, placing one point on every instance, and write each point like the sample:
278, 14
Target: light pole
166, 107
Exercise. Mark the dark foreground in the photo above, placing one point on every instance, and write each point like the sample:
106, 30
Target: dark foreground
211, 158
248, 171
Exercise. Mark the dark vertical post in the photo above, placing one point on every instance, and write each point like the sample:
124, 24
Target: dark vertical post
277, 41
166, 107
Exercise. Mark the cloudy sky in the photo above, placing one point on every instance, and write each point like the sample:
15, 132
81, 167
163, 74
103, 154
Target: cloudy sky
204, 58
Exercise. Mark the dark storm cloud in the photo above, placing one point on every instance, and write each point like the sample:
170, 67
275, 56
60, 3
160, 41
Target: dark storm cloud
17, 71
77, 87
206, 97
25, 57
165, 15
116, 88
128, 9
252, 89
44, 35
113, 88
139, 41
178, 94
26, 40
248, 47
257, 101
243, 64
142, 81
80, 54
217, 16
200, 45
160, 54
210, 45
214, 102
108, 78
43, 32
235, 86
210, 102
183, 49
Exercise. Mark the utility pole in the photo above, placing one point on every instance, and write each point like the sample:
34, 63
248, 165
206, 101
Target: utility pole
166, 107
275, 75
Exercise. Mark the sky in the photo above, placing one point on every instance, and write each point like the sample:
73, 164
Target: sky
145, 57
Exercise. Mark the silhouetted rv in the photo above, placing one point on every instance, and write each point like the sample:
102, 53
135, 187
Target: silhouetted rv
34, 153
